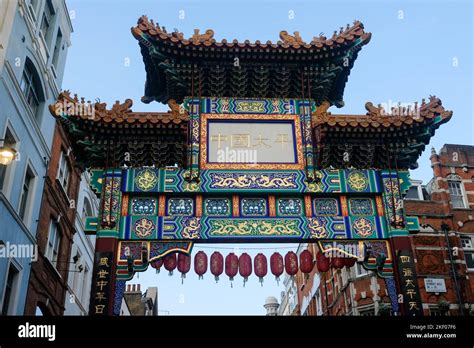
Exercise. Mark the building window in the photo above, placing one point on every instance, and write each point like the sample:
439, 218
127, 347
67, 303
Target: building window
47, 22
26, 193
10, 142
8, 297
63, 171
30, 87
52, 246
415, 192
57, 48
86, 211
468, 248
457, 197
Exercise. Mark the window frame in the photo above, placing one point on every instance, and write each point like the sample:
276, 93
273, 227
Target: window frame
63, 174
53, 246
462, 194
12, 294
29, 86
56, 51
419, 192
24, 204
468, 250
48, 17
11, 140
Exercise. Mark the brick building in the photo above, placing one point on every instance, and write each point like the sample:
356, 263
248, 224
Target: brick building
445, 209
49, 275
347, 291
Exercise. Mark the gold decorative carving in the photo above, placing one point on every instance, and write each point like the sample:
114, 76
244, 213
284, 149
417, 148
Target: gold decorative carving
191, 229
321, 113
254, 227
248, 180
251, 166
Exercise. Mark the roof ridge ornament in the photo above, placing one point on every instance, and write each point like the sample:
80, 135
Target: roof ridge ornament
67, 106
374, 111
321, 114
207, 37
291, 40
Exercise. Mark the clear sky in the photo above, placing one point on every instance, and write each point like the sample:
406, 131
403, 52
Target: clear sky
418, 49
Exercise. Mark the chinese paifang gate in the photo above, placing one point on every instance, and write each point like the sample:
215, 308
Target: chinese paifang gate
315, 177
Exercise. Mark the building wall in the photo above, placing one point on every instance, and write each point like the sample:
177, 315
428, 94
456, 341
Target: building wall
139, 304
80, 275
48, 280
453, 162
33, 133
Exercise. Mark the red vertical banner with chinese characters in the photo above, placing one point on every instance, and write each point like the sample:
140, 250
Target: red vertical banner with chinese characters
409, 283
101, 286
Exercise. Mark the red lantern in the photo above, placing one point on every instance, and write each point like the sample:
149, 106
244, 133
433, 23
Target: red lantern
217, 264
170, 262
349, 261
200, 263
320, 256
322, 262
260, 267
245, 266
231, 266
337, 262
306, 261
291, 263
156, 264
276, 265
184, 264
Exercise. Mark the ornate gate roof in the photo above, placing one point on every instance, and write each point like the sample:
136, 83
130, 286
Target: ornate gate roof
174, 64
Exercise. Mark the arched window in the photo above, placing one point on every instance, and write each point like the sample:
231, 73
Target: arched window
31, 87
456, 191
86, 210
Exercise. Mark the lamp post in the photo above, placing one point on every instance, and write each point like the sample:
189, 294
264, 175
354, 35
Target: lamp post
445, 229
7, 153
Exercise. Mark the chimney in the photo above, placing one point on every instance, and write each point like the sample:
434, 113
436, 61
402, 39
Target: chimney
133, 287
128, 287
138, 287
